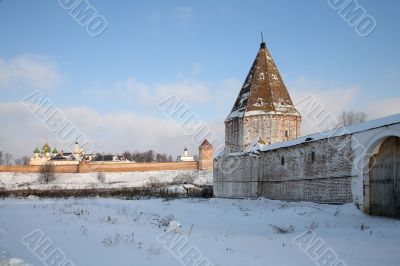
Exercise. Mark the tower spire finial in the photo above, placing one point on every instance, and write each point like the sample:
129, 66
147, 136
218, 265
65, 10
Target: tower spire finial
262, 45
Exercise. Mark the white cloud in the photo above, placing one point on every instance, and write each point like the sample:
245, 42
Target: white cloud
116, 131
28, 71
225, 95
132, 91
383, 107
110, 132
335, 99
195, 92
332, 100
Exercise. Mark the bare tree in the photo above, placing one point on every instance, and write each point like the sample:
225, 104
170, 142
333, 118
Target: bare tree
5, 158
8, 158
348, 118
127, 155
141, 157
24, 160
101, 177
47, 173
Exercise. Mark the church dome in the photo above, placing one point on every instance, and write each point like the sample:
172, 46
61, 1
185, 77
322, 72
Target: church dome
36, 150
55, 151
46, 148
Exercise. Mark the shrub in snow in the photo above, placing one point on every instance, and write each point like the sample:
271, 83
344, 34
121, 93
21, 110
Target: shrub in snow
154, 183
207, 192
47, 173
282, 229
101, 177
283, 205
313, 225
184, 178
164, 221
118, 239
363, 227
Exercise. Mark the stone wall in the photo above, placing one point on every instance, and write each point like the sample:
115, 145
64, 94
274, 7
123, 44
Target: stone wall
134, 167
241, 182
87, 167
317, 171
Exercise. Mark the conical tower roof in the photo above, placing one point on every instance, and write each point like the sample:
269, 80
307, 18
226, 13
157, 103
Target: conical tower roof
263, 91
205, 143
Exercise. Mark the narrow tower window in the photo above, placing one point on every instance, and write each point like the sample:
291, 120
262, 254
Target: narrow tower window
283, 160
313, 156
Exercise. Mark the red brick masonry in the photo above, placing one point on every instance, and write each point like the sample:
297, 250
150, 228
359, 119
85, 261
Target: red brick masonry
87, 167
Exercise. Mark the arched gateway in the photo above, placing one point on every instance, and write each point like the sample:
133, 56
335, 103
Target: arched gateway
382, 186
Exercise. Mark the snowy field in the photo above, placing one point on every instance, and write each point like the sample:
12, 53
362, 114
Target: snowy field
96, 231
13, 181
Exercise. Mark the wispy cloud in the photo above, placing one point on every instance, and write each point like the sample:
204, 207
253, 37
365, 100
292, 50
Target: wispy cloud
383, 107
29, 71
337, 98
110, 132
184, 14
131, 91
119, 129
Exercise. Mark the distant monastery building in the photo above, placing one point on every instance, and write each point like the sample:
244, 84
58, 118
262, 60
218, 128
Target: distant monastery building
78, 157
47, 155
185, 157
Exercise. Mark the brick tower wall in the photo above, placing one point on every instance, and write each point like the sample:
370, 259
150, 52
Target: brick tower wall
239, 133
205, 157
233, 135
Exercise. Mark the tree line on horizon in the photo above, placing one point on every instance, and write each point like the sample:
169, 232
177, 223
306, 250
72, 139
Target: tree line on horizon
147, 156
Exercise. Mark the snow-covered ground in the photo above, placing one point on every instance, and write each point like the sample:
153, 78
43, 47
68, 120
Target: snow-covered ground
96, 231
9, 180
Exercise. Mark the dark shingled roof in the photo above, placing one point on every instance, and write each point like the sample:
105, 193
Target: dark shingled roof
264, 90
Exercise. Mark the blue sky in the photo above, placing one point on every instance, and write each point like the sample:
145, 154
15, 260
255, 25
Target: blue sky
200, 51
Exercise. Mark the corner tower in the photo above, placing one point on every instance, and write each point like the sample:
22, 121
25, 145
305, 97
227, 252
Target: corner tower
263, 107
206, 156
